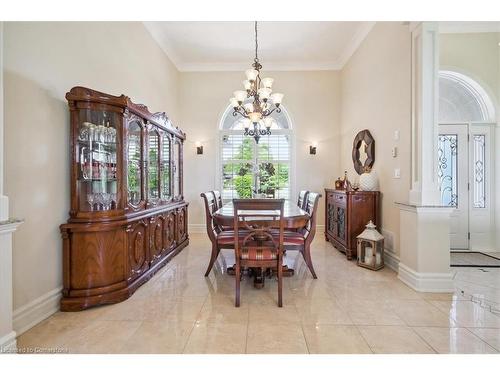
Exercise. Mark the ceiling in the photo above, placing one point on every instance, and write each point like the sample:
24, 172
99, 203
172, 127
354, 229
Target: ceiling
226, 46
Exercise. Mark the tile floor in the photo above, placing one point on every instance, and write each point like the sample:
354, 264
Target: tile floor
348, 309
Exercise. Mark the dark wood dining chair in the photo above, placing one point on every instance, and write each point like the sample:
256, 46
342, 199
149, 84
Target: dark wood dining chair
301, 202
301, 240
218, 198
256, 244
220, 239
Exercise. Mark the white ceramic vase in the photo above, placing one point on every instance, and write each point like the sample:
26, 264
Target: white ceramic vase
368, 181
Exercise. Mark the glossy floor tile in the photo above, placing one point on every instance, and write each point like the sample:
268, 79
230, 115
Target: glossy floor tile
348, 309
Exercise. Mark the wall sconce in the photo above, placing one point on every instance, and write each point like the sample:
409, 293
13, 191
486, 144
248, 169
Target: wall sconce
312, 148
199, 148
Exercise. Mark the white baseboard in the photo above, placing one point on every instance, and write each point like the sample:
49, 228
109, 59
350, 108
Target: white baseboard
426, 282
29, 315
391, 260
8, 343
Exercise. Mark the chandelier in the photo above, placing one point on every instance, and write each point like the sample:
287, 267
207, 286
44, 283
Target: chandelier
257, 102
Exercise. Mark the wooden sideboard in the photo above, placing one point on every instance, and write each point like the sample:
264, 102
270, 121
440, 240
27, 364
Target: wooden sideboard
128, 216
346, 214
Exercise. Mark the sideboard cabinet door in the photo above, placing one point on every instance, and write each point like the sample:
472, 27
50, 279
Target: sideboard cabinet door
137, 248
181, 224
155, 238
169, 232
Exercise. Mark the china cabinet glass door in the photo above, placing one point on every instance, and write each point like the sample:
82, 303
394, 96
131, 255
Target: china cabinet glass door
96, 140
176, 168
153, 165
134, 157
165, 168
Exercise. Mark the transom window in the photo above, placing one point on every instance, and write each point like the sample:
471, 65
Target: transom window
248, 168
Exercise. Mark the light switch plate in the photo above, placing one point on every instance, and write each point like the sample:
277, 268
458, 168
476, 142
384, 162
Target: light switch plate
396, 135
394, 151
397, 173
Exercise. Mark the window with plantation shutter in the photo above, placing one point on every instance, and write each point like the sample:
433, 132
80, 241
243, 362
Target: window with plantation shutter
248, 168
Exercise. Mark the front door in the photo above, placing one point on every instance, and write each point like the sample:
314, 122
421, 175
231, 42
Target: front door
454, 180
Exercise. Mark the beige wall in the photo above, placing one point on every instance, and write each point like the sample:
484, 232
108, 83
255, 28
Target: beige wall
375, 95
473, 54
42, 62
312, 101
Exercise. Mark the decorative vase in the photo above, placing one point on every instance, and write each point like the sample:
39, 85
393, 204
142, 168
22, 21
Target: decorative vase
368, 181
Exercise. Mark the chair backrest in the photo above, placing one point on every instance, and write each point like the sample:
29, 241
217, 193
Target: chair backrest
218, 198
311, 207
210, 208
301, 202
257, 217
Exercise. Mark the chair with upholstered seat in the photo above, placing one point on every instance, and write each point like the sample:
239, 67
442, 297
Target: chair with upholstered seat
220, 239
301, 202
302, 239
256, 245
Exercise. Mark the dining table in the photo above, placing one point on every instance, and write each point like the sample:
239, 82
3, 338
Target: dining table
295, 219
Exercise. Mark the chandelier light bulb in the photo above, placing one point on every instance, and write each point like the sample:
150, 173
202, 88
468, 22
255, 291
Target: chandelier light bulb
246, 123
247, 84
240, 96
268, 122
251, 74
234, 102
255, 117
267, 82
277, 98
248, 107
264, 93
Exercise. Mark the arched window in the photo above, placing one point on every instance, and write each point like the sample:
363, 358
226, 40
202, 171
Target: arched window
462, 99
247, 168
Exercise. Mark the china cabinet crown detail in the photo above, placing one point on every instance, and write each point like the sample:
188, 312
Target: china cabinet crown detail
128, 216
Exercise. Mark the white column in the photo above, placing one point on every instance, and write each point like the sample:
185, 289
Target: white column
4, 202
425, 100
7, 334
424, 225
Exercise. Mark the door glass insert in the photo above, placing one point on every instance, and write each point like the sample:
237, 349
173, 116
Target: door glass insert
176, 166
153, 165
97, 161
479, 168
134, 163
165, 168
447, 169
341, 222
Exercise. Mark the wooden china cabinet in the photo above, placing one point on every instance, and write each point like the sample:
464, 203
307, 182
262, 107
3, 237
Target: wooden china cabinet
346, 215
128, 216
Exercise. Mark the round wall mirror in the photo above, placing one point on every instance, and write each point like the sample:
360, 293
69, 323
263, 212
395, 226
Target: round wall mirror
363, 151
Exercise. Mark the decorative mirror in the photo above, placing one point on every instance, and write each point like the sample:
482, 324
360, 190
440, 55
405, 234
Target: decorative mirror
363, 151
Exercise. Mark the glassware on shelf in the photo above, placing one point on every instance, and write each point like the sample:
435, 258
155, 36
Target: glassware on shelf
113, 199
84, 131
90, 201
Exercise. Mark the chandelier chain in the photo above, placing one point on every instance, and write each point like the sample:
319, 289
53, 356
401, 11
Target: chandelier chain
256, 44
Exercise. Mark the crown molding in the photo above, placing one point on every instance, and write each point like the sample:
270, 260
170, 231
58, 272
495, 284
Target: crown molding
354, 43
184, 66
163, 42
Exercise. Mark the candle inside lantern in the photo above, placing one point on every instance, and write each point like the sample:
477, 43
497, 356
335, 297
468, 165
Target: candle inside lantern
378, 259
368, 254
